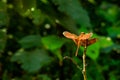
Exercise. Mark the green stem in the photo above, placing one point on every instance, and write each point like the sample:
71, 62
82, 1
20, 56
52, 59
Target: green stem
67, 57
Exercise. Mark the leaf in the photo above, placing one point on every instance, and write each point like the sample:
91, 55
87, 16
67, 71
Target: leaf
38, 16
3, 39
3, 14
31, 61
58, 53
74, 10
28, 4
44, 77
5, 75
52, 42
77, 75
114, 47
83, 29
30, 41
109, 11
112, 76
93, 51
24, 6
68, 23
105, 42
113, 31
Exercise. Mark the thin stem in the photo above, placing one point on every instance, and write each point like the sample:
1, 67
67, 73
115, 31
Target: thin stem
84, 63
67, 57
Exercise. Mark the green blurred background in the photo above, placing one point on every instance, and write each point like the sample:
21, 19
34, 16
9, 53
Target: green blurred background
32, 46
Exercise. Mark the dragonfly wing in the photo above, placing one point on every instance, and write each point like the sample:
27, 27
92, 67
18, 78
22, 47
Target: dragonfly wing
86, 36
70, 35
91, 41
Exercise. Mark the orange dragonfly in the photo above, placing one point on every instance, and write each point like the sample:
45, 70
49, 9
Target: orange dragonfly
81, 40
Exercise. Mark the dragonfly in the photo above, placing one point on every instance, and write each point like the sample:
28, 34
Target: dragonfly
84, 39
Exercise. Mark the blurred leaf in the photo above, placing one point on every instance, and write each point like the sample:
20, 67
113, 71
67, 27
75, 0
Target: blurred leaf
113, 31
5, 75
52, 42
26, 77
114, 47
3, 37
109, 11
69, 24
30, 41
3, 18
74, 9
93, 51
43, 77
28, 4
3, 5
58, 53
112, 76
77, 60
105, 42
38, 16
24, 6
44, 1
95, 71
107, 49
3, 14
18, 5
31, 61
83, 29
77, 76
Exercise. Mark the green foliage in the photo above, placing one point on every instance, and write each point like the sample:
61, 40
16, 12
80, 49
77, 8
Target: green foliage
31, 41
31, 61
105, 42
115, 31
24, 6
75, 10
3, 14
2, 39
93, 51
109, 11
37, 16
32, 46
52, 42
43, 77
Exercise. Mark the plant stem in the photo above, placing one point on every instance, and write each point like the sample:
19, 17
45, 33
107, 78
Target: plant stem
84, 63
67, 57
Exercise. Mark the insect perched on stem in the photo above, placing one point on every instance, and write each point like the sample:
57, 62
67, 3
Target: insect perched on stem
81, 40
